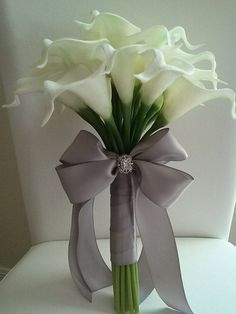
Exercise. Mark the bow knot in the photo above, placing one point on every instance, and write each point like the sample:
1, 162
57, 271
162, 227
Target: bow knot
125, 164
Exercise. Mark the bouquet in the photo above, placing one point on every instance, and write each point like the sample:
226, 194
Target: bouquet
128, 84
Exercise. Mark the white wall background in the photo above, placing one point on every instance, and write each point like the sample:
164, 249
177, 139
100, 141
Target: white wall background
24, 23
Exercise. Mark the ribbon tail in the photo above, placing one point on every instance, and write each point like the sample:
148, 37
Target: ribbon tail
89, 271
161, 253
146, 284
145, 279
72, 256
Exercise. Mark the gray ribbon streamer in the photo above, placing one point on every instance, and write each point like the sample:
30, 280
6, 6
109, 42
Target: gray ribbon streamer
86, 170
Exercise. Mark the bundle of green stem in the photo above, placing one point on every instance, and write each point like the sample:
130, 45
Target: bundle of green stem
129, 124
125, 280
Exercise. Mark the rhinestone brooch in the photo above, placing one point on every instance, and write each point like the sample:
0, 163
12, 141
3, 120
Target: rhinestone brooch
125, 164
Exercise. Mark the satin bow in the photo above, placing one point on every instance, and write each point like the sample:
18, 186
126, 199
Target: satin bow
87, 169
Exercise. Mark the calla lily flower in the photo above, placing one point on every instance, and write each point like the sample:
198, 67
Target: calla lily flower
158, 76
109, 26
125, 63
94, 91
70, 51
63, 62
158, 36
153, 37
183, 96
178, 34
58, 58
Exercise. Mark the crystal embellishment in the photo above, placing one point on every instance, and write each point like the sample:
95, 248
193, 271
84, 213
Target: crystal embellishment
125, 164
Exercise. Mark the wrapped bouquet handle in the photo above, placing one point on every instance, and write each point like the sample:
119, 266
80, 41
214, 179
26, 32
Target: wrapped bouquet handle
87, 169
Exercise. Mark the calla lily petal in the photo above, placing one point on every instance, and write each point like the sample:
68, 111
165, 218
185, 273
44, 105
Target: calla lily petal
155, 63
72, 51
107, 25
49, 110
177, 34
14, 103
70, 100
94, 91
152, 89
183, 96
172, 53
34, 82
46, 43
153, 37
205, 75
106, 53
159, 76
65, 99
123, 70
176, 52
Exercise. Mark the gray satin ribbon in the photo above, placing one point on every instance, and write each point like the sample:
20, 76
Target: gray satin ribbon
123, 241
141, 196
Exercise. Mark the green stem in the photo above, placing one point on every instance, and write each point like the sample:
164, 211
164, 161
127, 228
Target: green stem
122, 289
159, 123
126, 288
152, 112
126, 127
135, 103
115, 132
95, 121
116, 108
150, 118
135, 286
113, 142
139, 127
129, 289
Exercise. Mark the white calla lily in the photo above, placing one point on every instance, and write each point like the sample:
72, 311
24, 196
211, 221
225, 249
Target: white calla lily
183, 96
37, 76
158, 76
71, 51
53, 91
178, 34
107, 25
176, 52
69, 54
199, 76
125, 63
153, 37
64, 61
64, 99
94, 91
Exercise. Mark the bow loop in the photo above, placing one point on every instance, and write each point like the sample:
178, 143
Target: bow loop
161, 147
84, 159
77, 183
85, 147
162, 184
